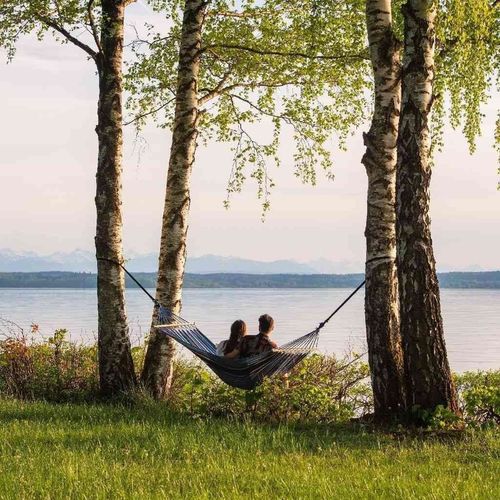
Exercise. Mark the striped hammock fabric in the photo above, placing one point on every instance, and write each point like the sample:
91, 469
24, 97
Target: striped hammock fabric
244, 373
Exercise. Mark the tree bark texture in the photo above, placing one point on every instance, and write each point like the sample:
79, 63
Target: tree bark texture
381, 295
157, 372
116, 369
428, 379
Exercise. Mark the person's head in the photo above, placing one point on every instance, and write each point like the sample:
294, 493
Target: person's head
238, 331
266, 324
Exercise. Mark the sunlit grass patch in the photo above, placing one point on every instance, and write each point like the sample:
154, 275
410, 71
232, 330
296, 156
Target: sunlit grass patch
98, 451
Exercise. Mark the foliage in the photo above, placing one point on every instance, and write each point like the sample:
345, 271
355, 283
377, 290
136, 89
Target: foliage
441, 418
467, 59
303, 65
479, 399
480, 396
320, 389
467, 62
54, 369
299, 65
66, 20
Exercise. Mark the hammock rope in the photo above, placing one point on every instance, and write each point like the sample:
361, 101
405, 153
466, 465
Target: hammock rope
244, 373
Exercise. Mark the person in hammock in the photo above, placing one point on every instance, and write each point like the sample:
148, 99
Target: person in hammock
250, 345
238, 331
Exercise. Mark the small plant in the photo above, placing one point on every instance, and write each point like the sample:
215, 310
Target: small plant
479, 394
440, 419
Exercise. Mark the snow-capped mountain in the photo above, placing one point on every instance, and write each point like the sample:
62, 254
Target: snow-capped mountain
84, 261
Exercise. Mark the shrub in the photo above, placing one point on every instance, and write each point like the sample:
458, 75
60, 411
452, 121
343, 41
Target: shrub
320, 389
439, 419
53, 369
479, 394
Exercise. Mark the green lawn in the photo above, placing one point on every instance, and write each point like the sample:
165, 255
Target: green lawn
93, 451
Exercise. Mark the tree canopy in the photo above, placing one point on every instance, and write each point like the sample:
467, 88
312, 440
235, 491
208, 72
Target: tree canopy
467, 62
290, 64
301, 65
70, 21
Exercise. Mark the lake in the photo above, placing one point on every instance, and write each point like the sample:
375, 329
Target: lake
471, 317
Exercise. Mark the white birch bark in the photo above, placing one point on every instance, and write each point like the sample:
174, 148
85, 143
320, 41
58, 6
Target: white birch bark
116, 368
381, 296
157, 372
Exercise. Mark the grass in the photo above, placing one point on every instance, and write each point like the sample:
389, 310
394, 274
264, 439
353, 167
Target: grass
98, 451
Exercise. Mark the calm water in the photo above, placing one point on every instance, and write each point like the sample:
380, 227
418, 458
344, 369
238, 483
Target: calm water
472, 317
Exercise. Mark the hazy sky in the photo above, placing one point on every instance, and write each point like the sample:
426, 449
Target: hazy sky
48, 163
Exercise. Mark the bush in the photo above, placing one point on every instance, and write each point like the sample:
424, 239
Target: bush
479, 394
53, 369
320, 389
479, 403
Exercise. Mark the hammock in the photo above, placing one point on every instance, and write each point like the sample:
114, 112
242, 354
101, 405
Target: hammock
244, 373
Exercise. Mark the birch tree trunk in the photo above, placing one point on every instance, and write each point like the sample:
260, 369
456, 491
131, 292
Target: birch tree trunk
427, 373
157, 372
381, 296
116, 370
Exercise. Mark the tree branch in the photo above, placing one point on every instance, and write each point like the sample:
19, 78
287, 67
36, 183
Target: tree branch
216, 91
253, 14
251, 85
138, 40
238, 15
93, 26
264, 182
303, 55
285, 118
64, 32
58, 8
148, 113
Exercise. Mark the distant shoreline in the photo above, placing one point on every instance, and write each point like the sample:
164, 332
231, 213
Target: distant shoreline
61, 279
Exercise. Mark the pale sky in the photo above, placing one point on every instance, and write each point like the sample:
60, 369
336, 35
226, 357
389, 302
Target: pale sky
48, 164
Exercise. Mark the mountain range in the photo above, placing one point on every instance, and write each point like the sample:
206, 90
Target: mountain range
84, 261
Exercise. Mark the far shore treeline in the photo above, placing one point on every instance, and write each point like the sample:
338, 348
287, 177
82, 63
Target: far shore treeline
58, 279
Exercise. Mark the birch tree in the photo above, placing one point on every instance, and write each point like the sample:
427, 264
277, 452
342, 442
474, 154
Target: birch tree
381, 296
427, 373
466, 60
172, 256
290, 64
103, 24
